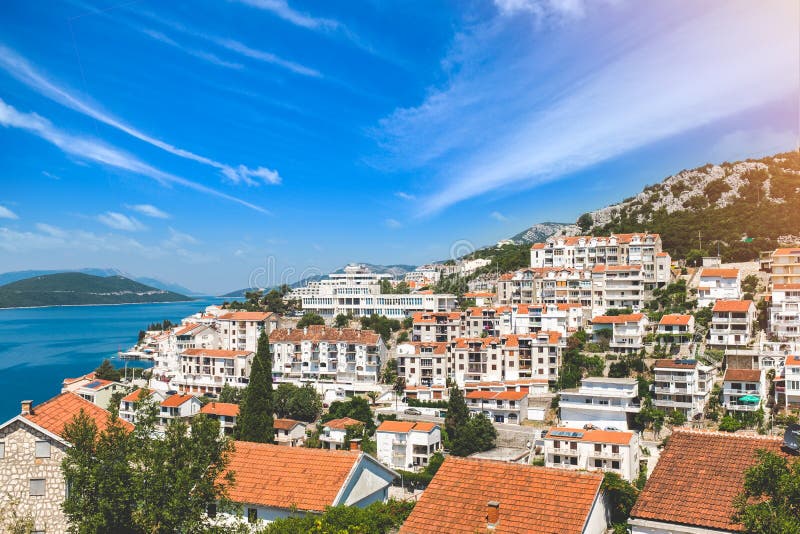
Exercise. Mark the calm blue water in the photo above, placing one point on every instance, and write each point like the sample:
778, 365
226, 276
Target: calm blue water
39, 347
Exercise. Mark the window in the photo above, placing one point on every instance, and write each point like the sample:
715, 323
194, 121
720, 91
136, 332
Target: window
598, 447
37, 487
212, 510
598, 463
252, 515
573, 461
615, 464
42, 449
557, 459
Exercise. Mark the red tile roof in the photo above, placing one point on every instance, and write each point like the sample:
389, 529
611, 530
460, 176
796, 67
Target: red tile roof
343, 423
539, 499
317, 333
743, 375
53, 414
288, 477
786, 286
674, 319
497, 395
285, 424
136, 396
720, 273
245, 316
221, 408
216, 353
732, 305
786, 252
716, 462
176, 400
793, 360
439, 347
618, 319
396, 426
593, 436
674, 364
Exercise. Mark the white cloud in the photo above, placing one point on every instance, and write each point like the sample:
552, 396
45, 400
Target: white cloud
118, 221
393, 224
6, 213
752, 144
282, 9
92, 150
404, 196
268, 176
50, 230
266, 57
51, 175
503, 122
177, 238
149, 210
23, 71
544, 8
200, 54
497, 216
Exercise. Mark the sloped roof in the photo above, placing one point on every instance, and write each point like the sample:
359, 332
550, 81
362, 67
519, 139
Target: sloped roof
592, 436
675, 319
221, 408
136, 396
716, 462
618, 319
732, 305
743, 375
178, 399
53, 414
720, 273
317, 333
540, 499
343, 423
245, 316
285, 424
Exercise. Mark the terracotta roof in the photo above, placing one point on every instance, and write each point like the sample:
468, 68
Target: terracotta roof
732, 305
497, 395
176, 400
786, 252
786, 286
720, 273
439, 347
317, 333
793, 360
288, 477
478, 294
188, 327
465, 342
662, 254
136, 396
543, 499
221, 408
87, 376
618, 319
430, 317
396, 426
743, 375
343, 423
244, 316
716, 462
601, 268
217, 353
675, 319
675, 364
592, 436
53, 414
96, 384
285, 424
424, 426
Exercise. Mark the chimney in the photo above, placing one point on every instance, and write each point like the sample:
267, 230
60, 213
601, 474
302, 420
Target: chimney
355, 444
492, 514
27, 407
305, 330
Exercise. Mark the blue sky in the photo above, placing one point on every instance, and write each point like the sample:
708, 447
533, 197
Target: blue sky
215, 143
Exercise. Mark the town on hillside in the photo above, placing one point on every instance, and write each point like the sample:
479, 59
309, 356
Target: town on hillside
603, 387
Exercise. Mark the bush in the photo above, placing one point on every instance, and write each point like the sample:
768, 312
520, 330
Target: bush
416, 403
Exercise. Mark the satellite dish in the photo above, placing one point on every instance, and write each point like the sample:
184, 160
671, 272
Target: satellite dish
791, 438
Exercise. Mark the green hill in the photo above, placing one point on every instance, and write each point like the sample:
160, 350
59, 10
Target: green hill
78, 288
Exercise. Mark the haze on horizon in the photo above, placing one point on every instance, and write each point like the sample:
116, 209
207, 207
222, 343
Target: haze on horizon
202, 144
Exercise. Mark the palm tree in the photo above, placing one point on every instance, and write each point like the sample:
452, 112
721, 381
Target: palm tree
373, 396
399, 387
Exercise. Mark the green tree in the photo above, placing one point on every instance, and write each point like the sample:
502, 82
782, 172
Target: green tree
457, 412
356, 408
305, 404
373, 397
230, 394
281, 398
389, 374
621, 497
770, 500
309, 319
107, 371
585, 222
676, 418
256, 409
730, 424
477, 435
273, 301
377, 518
341, 321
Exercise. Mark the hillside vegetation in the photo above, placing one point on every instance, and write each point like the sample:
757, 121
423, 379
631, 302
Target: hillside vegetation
78, 288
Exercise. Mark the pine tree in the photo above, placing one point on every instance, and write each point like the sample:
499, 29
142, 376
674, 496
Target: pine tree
255, 421
457, 413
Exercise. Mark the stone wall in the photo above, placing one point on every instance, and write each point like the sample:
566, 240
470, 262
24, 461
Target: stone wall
18, 466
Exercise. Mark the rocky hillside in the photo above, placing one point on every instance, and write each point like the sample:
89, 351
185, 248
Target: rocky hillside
541, 231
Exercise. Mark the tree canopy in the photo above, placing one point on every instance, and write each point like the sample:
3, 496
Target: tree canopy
255, 421
770, 500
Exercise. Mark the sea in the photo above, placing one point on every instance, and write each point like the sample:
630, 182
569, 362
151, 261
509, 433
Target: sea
39, 347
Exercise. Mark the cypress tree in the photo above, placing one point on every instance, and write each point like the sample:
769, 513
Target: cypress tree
457, 413
255, 421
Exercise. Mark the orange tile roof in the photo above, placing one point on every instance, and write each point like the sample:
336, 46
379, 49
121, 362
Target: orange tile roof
531, 498
221, 408
188, 327
675, 319
285, 424
288, 477
53, 414
216, 353
478, 294
786, 286
618, 319
136, 396
176, 400
465, 342
786, 252
317, 333
245, 316
793, 360
599, 268
396, 426
497, 395
743, 375
424, 426
716, 462
593, 436
343, 423
732, 305
720, 273
87, 376
97, 383
674, 364
439, 347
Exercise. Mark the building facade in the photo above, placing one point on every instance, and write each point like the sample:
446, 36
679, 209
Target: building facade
593, 450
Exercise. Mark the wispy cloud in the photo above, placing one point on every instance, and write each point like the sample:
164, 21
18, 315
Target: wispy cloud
51, 230
394, 224
200, 54
497, 216
149, 210
85, 148
266, 57
6, 213
404, 195
503, 122
177, 238
22, 70
281, 8
51, 175
119, 221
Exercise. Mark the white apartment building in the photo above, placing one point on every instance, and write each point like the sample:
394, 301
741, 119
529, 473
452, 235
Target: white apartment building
407, 444
531, 386
430, 327
224, 412
208, 370
289, 433
241, 330
676, 328
178, 406
475, 359
423, 275
732, 323
563, 285
427, 393
98, 391
744, 390
531, 318
526, 356
197, 336
509, 407
323, 353
785, 266
791, 393
625, 332
334, 432
357, 292
517, 287
602, 402
784, 312
593, 450
617, 287
130, 402
683, 385
479, 321
423, 363
718, 284
482, 298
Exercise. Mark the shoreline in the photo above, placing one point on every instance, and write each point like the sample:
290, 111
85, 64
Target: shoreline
101, 304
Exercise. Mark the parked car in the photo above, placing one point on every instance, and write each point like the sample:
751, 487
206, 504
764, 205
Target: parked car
412, 411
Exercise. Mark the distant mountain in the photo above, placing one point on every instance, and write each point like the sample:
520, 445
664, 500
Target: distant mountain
541, 231
398, 269
79, 288
13, 276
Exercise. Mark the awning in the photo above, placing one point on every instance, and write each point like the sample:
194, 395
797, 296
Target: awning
750, 399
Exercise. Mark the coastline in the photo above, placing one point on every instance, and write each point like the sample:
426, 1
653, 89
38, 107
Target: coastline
101, 304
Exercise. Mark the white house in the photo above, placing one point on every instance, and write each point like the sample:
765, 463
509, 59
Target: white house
241, 330
792, 383
676, 328
274, 482
407, 444
197, 336
600, 401
625, 332
593, 450
732, 323
178, 406
422, 363
499, 406
334, 432
430, 327
718, 284
744, 390
209, 370
99, 391
224, 412
683, 385
289, 432
618, 286
784, 312
564, 318
130, 402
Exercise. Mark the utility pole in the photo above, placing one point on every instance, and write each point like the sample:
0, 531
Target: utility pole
700, 237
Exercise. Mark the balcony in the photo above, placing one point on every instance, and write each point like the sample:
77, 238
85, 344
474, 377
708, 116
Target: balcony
605, 454
673, 404
743, 407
